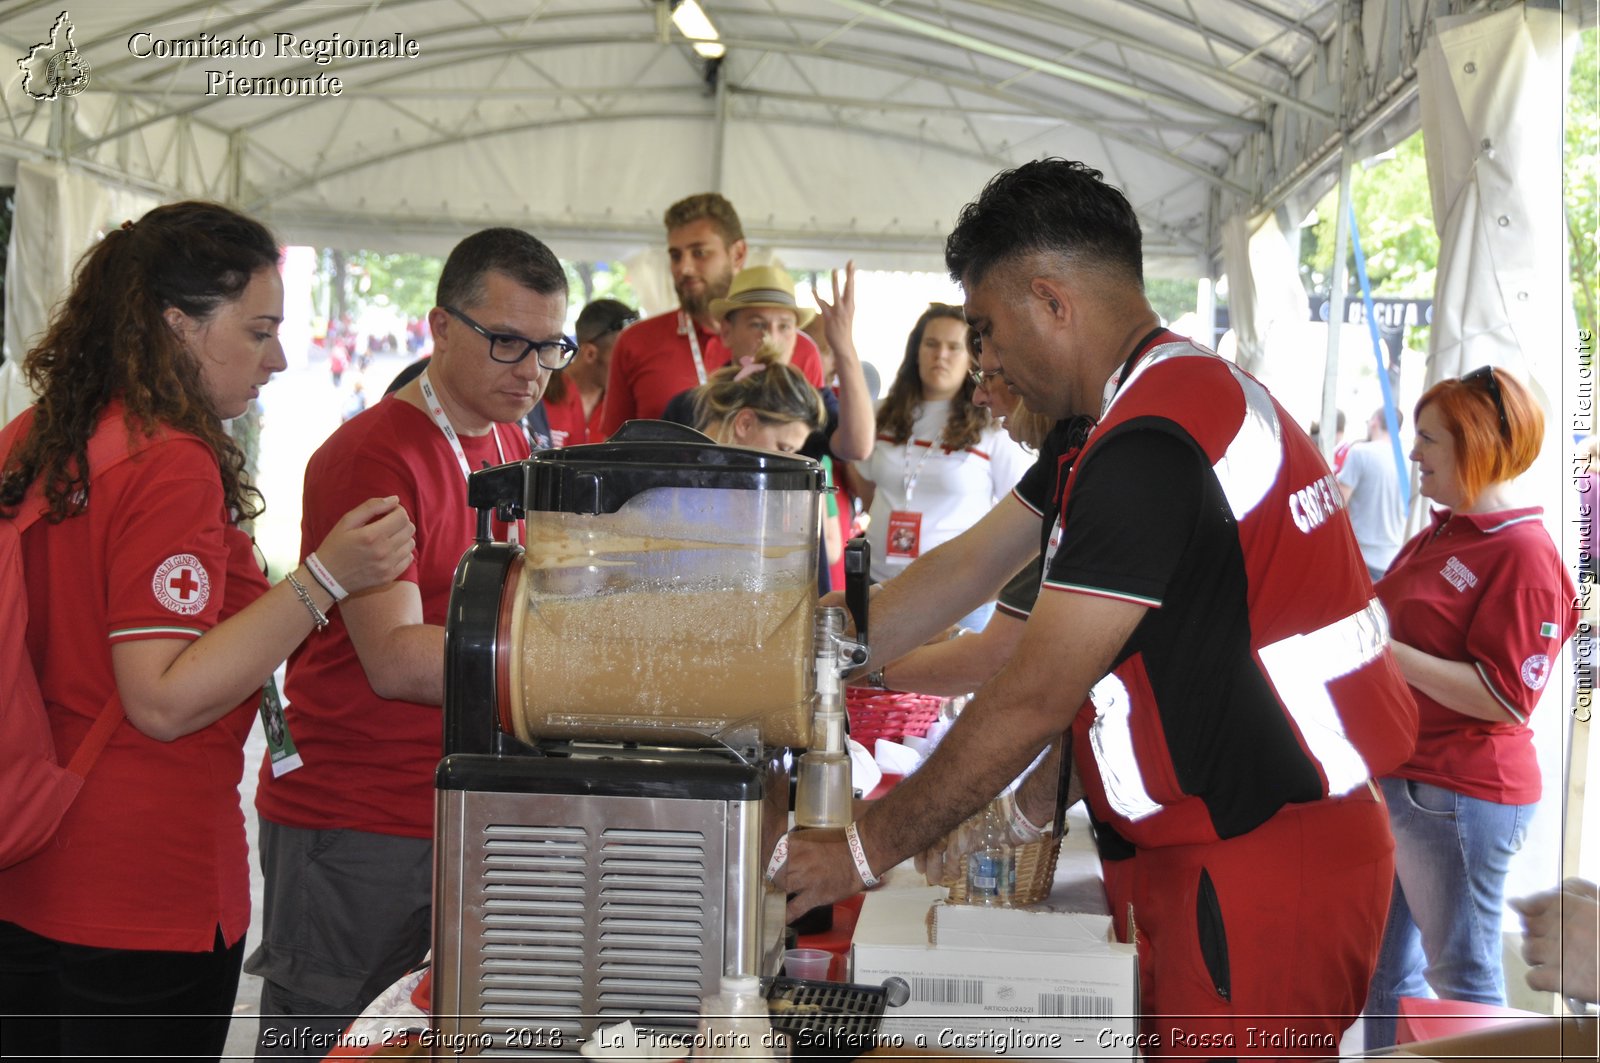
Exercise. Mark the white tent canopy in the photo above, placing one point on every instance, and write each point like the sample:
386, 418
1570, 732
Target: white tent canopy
835, 126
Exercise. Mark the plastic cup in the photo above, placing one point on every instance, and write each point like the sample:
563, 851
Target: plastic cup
809, 964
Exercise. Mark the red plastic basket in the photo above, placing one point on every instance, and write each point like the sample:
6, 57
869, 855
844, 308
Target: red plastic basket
890, 714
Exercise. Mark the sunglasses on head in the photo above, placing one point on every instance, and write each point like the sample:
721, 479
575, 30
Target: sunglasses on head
1486, 375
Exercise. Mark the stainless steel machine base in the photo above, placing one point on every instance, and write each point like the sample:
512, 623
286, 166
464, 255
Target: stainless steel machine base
555, 913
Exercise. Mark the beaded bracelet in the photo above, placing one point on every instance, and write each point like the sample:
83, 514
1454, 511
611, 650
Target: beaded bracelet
320, 573
317, 616
859, 855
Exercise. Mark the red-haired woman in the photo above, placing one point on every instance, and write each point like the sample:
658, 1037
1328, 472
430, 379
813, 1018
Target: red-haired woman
1479, 604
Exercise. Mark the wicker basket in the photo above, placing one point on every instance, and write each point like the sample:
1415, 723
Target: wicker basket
890, 714
1036, 871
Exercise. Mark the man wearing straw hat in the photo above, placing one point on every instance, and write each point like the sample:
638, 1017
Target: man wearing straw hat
1203, 586
760, 309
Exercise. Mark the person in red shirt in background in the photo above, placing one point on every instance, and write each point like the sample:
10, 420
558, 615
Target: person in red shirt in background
146, 607
1479, 604
574, 401
760, 314
347, 839
669, 353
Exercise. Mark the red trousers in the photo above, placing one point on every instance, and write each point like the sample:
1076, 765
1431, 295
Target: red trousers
1262, 945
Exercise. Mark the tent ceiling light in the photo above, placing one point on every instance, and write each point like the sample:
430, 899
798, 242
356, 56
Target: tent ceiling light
694, 24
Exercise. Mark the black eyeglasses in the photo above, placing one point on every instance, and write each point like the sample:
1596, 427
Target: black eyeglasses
553, 354
980, 377
1486, 374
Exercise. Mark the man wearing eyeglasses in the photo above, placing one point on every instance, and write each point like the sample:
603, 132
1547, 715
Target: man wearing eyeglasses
346, 837
575, 400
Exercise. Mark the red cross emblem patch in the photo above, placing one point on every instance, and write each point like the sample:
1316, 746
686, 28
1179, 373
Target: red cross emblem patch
181, 584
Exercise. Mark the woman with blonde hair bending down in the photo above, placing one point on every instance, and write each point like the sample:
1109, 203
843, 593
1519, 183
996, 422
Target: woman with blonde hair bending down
760, 402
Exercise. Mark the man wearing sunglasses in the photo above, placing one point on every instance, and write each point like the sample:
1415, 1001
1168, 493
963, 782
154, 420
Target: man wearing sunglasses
346, 837
575, 400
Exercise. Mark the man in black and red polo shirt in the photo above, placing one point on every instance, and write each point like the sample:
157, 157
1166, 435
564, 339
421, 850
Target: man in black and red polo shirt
1204, 591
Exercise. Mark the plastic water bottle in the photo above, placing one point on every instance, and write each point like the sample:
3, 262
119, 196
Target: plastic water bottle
992, 864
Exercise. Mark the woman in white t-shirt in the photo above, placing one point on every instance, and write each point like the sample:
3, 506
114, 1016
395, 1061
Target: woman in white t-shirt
940, 463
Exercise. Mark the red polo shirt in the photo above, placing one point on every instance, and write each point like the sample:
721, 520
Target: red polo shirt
568, 426
1488, 589
369, 760
152, 854
652, 362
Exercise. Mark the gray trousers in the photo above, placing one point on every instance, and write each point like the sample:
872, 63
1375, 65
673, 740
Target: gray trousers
345, 914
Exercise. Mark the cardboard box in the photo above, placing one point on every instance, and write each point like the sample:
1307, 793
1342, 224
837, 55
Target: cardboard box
1543, 1040
1080, 1001
1074, 916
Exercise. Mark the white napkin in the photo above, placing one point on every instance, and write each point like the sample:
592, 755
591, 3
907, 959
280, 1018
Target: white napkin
895, 758
864, 773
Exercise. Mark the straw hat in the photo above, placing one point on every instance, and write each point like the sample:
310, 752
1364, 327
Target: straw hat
766, 286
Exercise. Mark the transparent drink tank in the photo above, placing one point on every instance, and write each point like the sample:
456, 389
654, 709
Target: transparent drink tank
688, 606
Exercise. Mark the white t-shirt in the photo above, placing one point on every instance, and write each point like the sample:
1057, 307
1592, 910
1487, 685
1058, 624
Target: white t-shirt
1376, 512
952, 492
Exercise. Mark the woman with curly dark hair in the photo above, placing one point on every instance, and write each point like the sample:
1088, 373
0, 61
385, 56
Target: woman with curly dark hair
147, 613
940, 462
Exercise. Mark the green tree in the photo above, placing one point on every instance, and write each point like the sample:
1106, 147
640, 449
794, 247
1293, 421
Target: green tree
1172, 298
1395, 214
1582, 169
405, 282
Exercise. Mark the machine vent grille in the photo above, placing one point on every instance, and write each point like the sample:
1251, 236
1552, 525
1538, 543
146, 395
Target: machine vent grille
534, 881
652, 929
645, 941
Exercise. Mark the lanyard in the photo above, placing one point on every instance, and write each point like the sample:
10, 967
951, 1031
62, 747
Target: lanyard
910, 479
686, 326
442, 419
1114, 384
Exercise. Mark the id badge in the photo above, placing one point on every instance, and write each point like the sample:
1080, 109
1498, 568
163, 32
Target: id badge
905, 534
281, 750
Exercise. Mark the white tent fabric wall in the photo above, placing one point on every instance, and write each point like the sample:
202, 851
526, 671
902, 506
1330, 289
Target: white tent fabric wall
59, 213
1264, 285
1491, 90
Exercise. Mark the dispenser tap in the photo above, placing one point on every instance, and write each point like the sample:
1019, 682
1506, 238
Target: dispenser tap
853, 653
822, 790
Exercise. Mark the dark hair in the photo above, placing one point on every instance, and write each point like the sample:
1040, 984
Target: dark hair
518, 255
108, 339
1486, 453
600, 317
898, 410
710, 206
1052, 206
778, 393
